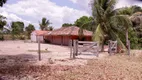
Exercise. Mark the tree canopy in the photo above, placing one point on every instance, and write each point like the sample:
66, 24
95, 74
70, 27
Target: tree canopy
2, 22
2, 2
44, 24
17, 27
29, 29
109, 23
67, 24
85, 22
128, 10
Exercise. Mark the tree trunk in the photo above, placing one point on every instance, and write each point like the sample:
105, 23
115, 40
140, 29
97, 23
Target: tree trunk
102, 46
127, 38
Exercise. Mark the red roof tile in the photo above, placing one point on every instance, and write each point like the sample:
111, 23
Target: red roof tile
73, 30
40, 33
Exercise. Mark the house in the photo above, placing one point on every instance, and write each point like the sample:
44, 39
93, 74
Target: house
63, 35
38, 34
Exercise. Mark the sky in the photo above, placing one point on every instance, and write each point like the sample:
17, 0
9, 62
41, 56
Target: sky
57, 11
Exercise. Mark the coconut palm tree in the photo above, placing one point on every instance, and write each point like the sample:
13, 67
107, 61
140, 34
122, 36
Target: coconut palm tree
2, 2
44, 24
109, 24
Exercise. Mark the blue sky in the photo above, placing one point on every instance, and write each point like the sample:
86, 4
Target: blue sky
57, 11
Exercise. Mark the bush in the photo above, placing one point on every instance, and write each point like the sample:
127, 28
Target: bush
7, 37
22, 37
1, 38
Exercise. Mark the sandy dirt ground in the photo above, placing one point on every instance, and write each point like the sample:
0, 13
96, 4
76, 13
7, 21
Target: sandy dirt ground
18, 62
56, 54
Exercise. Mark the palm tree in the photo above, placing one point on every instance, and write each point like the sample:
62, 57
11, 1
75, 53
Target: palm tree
109, 24
123, 20
2, 2
44, 24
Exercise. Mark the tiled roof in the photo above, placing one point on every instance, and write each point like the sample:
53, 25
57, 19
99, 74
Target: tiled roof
40, 33
72, 30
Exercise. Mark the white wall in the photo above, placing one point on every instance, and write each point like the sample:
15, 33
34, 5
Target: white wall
34, 38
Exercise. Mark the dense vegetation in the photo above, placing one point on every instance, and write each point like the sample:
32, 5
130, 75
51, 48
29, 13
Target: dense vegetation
114, 24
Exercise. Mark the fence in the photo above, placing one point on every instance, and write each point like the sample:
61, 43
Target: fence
78, 47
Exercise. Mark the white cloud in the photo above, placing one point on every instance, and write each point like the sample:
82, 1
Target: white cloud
84, 4
12, 17
32, 12
74, 1
124, 3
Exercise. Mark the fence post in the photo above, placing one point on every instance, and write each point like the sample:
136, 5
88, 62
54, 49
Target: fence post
109, 50
74, 48
116, 47
97, 49
71, 52
39, 53
128, 47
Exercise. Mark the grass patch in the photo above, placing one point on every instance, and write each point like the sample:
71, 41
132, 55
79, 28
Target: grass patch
42, 51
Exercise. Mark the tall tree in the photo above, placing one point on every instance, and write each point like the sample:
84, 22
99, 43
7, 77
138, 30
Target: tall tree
136, 19
2, 22
50, 28
17, 28
44, 24
67, 25
108, 22
85, 23
29, 29
128, 10
2, 2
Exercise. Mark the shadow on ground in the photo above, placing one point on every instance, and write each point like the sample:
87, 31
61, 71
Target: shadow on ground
21, 67
15, 65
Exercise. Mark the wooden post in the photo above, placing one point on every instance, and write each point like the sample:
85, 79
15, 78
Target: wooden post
116, 47
71, 52
97, 49
39, 53
109, 50
128, 47
74, 48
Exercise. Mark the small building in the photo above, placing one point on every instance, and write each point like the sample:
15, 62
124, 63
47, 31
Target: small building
38, 34
63, 35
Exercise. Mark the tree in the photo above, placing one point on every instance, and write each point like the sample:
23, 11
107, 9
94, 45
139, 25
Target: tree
136, 19
2, 2
128, 10
134, 13
44, 24
85, 22
29, 29
136, 8
109, 24
2, 22
125, 11
50, 28
17, 28
67, 25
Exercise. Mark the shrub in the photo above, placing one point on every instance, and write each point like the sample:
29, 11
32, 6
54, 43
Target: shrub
22, 37
1, 38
